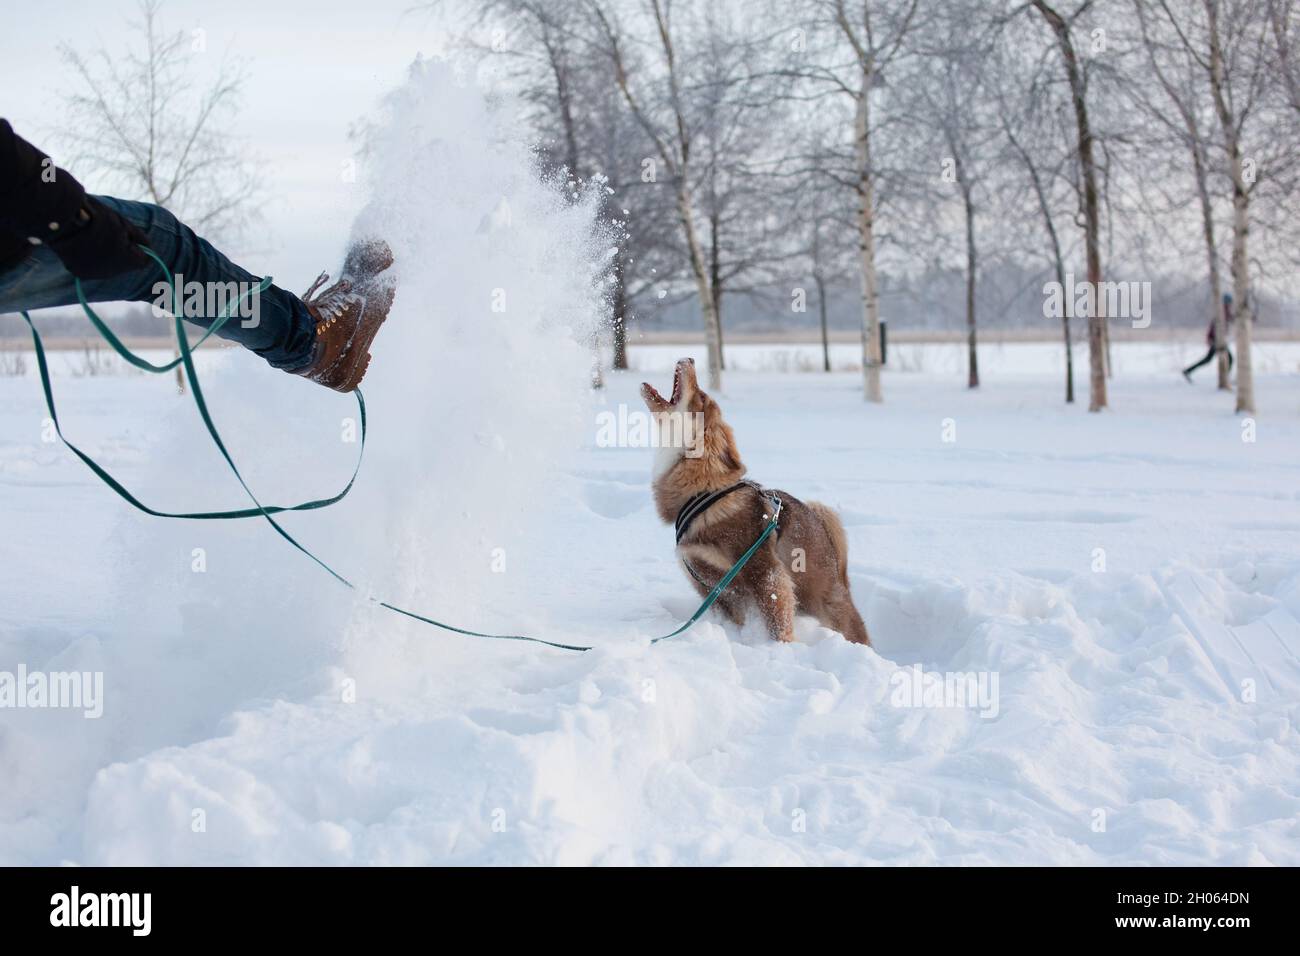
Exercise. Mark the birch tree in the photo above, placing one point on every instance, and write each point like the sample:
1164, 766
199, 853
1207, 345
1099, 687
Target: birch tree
1237, 70
654, 92
1233, 43
851, 49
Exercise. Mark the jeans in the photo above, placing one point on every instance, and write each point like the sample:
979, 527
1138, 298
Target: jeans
284, 332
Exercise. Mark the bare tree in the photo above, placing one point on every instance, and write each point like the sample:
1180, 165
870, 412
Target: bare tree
737, 156
1086, 158
820, 220
543, 44
639, 211
139, 120
1035, 119
1232, 105
949, 104
1036, 150
659, 105
1233, 43
826, 254
867, 38
1282, 19
1182, 83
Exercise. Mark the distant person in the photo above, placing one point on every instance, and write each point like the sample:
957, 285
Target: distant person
1212, 339
52, 233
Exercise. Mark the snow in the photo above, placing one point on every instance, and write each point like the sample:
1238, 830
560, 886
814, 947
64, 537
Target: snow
1119, 691
257, 712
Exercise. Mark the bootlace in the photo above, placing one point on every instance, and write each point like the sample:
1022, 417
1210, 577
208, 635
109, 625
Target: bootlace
331, 303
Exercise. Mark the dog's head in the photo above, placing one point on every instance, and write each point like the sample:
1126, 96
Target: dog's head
691, 428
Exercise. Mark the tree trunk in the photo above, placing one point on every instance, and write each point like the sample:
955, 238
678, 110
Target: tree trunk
1059, 262
559, 69
1241, 290
820, 280
973, 375
1065, 312
619, 313
1069, 346
1105, 337
1212, 255
1092, 219
1240, 215
1045, 207
717, 310
821, 309
867, 245
715, 284
712, 326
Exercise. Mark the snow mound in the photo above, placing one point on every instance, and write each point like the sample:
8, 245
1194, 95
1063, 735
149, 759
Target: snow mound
724, 748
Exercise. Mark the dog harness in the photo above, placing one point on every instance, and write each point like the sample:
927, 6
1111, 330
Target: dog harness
699, 503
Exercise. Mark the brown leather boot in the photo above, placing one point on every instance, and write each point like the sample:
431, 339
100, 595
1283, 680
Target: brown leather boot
348, 315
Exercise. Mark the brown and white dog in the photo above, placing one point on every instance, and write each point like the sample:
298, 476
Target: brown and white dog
803, 564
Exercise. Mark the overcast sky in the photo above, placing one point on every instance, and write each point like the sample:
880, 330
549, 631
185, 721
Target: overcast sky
313, 68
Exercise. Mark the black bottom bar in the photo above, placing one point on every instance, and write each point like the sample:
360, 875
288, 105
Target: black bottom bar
331, 907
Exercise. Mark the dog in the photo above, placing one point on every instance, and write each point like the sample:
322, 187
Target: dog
699, 485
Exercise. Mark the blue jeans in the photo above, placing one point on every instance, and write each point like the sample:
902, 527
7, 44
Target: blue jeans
284, 333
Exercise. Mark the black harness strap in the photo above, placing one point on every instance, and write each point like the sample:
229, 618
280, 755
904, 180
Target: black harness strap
697, 504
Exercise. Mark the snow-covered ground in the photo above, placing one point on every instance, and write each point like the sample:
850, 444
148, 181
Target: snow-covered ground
309, 729
1123, 588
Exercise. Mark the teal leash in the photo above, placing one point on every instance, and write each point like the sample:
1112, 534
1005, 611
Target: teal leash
735, 569
266, 511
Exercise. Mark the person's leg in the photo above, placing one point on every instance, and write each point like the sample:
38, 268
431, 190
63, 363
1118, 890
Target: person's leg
1192, 368
280, 329
1229, 351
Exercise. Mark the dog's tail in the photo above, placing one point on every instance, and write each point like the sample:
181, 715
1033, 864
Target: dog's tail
831, 522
